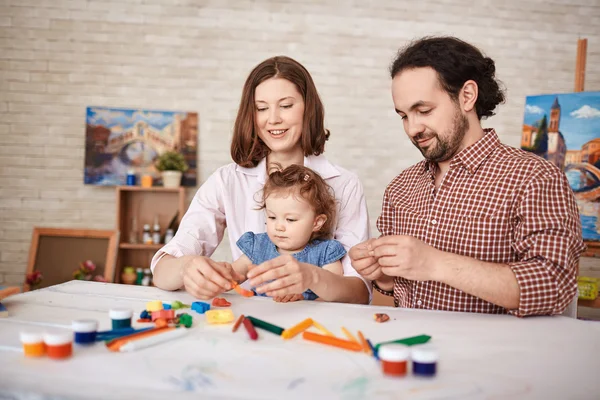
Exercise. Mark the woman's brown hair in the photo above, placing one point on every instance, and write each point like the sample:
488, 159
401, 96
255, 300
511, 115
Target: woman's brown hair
301, 181
247, 149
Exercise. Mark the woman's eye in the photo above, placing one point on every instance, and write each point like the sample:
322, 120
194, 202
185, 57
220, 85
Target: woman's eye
287, 106
261, 109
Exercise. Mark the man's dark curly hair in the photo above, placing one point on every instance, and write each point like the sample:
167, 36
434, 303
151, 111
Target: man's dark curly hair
455, 62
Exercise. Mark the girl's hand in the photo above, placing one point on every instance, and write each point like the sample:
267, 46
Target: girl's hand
288, 276
204, 278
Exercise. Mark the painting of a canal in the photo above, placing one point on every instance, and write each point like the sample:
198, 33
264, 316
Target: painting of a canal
120, 140
565, 129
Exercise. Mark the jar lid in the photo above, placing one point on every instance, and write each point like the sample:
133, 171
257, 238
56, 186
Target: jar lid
31, 337
58, 338
393, 352
85, 325
424, 354
120, 313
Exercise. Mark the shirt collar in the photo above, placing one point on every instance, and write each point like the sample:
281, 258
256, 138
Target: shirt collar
319, 164
473, 156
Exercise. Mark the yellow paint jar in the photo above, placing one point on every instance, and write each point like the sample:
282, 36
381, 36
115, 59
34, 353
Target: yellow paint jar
147, 181
33, 344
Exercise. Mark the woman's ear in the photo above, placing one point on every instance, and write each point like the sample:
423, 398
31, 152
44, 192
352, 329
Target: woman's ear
468, 96
319, 221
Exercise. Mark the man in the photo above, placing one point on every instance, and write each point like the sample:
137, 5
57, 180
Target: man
477, 226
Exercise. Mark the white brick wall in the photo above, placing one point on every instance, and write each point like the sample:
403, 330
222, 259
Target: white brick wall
59, 56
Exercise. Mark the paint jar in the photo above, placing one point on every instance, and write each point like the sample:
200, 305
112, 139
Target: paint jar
424, 360
85, 331
59, 345
131, 177
146, 181
121, 318
394, 359
33, 344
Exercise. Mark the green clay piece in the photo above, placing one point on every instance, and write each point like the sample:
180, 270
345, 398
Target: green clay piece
185, 320
266, 326
411, 341
177, 305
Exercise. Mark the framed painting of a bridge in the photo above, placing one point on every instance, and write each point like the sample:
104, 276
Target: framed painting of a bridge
565, 129
120, 140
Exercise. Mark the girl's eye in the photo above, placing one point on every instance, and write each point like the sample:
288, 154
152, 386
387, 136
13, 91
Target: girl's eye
291, 220
261, 109
272, 218
287, 106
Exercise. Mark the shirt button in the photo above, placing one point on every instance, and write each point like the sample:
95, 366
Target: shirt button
419, 302
433, 221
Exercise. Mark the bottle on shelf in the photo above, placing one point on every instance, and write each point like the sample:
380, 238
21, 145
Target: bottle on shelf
156, 231
169, 235
139, 276
147, 280
133, 232
147, 237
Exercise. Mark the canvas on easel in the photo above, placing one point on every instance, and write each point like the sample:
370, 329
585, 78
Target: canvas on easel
57, 252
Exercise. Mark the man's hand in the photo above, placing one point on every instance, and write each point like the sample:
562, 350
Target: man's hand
405, 256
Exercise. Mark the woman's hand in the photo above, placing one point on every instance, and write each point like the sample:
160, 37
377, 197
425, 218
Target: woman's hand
288, 276
204, 278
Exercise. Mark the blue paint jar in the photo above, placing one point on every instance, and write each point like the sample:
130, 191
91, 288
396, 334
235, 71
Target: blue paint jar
131, 177
121, 318
85, 330
424, 360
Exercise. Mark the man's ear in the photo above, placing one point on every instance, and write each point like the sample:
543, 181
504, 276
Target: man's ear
468, 95
319, 221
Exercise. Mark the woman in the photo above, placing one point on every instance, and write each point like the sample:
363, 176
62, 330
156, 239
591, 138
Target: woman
280, 120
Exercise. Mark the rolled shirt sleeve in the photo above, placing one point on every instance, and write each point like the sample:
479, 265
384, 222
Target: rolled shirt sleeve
549, 242
203, 225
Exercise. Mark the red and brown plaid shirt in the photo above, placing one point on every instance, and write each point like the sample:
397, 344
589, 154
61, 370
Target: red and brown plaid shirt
497, 204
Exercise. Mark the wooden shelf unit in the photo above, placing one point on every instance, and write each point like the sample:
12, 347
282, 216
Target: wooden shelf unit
144, 204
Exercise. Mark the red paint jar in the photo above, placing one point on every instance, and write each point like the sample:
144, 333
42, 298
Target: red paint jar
59, 345
394, 359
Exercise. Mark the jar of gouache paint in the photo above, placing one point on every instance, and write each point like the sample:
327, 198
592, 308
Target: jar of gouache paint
85, 331
394, 359
59, 345
33, 344
424, 360
121, 318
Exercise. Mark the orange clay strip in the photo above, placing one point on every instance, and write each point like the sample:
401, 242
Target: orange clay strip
349, 335
296, 329
364, 343
331, 341
240, 290
115, 344
237, 323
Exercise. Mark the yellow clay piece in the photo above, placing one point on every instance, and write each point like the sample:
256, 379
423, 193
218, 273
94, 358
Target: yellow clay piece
155, 305
219, 316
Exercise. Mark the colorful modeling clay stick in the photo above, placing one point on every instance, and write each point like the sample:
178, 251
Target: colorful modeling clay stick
349, 335
237, 323
296, 329
363, 342
152, 340
322, 329
250, 329
115, 344
266, 326
240, 290
331, 341
407, 341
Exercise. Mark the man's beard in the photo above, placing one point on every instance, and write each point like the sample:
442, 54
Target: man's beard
443, 149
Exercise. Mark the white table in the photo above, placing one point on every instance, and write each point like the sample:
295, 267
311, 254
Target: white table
481, 356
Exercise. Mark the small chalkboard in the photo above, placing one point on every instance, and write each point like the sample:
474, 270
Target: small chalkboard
56, 253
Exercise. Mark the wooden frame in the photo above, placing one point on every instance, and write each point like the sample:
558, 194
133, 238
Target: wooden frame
74, 237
